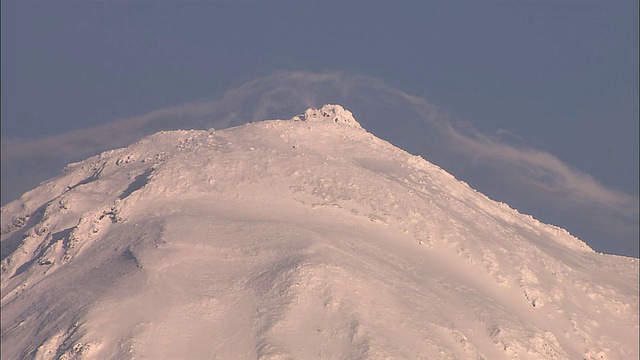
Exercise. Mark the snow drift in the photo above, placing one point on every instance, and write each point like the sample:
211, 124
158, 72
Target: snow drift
302, 238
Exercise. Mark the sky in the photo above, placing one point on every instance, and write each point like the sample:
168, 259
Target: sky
535, 102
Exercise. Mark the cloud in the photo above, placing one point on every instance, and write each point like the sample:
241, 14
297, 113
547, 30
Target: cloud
540, 169
531, 180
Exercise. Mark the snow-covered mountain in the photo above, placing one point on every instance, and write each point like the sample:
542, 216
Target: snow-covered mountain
531, 180
296, 239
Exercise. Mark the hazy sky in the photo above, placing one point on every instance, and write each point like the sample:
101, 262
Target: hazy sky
558, 76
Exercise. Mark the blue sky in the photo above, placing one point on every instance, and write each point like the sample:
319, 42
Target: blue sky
560, 77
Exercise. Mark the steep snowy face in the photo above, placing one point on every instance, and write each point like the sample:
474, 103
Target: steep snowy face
301, 238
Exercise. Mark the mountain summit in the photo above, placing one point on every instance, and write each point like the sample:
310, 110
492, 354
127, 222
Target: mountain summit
301, 238
335, 113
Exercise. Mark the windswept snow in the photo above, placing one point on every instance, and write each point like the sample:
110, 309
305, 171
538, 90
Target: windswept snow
297, 239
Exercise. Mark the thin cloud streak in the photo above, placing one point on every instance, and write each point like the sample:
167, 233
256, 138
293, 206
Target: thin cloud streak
546, 171
408, 121
541, 168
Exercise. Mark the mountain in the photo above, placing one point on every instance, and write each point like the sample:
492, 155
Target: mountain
296, 239
536, 182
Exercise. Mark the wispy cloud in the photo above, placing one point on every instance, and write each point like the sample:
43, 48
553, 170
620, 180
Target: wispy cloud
539, 168
528, 178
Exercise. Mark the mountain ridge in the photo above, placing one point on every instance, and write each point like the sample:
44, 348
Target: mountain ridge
297, 210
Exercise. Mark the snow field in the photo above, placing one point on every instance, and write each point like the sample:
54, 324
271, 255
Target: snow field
296, 239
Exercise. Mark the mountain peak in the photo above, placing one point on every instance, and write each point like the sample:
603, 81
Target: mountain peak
296, 239
329, 112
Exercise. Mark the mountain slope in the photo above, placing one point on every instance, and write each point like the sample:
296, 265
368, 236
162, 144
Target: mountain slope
307, 238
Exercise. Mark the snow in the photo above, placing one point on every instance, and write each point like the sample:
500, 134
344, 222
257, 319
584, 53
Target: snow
302, 239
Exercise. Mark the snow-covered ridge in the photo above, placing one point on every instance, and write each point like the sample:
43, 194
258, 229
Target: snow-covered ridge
296, 239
